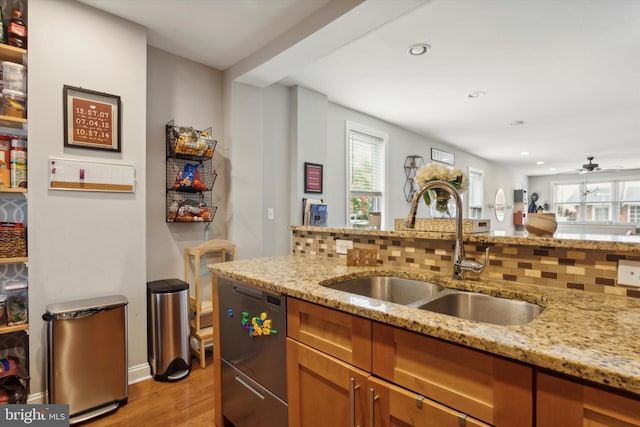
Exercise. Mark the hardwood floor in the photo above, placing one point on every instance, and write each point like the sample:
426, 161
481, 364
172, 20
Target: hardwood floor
188, 402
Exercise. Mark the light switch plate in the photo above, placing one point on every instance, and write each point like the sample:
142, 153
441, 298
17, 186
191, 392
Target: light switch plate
343, 245
628, 272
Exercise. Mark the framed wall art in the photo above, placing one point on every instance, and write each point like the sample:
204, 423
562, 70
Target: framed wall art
91, 119
312, 178
443, 156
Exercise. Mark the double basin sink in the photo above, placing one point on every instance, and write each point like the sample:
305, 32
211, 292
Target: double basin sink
435, 298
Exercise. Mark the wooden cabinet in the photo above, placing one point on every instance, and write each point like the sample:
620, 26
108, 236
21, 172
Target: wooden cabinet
492, 389
565, 403
322, 390
343, 368
336, 333
325, 391
389, 405
340, 365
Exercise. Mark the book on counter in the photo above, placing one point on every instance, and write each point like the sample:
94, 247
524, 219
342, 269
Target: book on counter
318, 215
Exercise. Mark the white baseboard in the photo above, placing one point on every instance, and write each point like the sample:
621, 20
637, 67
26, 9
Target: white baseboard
136, 374
37, 398
139, 373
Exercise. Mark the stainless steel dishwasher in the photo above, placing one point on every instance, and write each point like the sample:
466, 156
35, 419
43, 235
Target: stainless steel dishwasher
87, 355
253, 333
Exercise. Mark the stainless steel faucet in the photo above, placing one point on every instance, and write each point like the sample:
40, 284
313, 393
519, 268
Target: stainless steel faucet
460, 264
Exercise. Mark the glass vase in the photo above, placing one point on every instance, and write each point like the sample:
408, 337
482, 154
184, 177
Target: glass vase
442, 205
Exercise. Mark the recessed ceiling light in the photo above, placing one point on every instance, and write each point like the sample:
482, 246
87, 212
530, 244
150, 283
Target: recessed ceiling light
517, 123
552, 169
539, 162
418, 49
476, 94
524, 153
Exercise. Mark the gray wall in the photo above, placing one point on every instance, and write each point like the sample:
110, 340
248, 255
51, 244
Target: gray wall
306, 127
191, 95
84, 244
276, 177
401, 144
244, 133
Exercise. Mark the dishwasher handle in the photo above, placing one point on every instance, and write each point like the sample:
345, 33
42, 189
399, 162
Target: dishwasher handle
248, 386
248, 292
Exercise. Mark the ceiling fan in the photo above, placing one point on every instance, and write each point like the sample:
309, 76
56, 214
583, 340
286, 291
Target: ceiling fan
590, 166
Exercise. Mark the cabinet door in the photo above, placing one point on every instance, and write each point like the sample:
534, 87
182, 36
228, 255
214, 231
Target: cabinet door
565, 403
322, 390
339, 334
394, 406
489, 388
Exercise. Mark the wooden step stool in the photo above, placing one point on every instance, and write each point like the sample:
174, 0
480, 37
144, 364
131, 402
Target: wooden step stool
201, 328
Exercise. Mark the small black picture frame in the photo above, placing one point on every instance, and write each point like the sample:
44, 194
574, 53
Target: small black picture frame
313, 178
443, 156
91, 119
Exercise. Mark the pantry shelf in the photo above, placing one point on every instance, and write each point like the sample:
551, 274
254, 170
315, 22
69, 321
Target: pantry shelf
14, 328
13, 260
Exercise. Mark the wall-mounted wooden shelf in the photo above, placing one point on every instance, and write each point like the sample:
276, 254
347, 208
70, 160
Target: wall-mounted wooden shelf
12, 329
13, 260
13, 190
12, 53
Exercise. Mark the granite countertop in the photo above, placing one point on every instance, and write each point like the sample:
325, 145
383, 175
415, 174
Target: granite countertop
587, 335
612, 242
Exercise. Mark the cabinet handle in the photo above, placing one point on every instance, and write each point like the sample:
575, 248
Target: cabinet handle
462, 419
372, 399
352, 400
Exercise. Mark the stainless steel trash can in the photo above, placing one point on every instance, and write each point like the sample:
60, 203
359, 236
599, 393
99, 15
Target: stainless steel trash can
168, 329
87, 355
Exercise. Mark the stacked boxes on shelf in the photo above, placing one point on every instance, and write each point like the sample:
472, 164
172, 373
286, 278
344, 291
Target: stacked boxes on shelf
14, 303
13, 148
14, 338
14, 85
13, 161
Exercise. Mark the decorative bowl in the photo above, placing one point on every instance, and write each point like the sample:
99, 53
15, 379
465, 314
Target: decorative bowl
541, 224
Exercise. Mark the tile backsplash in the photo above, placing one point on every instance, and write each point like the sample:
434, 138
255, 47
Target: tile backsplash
586, 269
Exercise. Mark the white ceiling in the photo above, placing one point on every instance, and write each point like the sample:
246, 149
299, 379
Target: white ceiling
569, 69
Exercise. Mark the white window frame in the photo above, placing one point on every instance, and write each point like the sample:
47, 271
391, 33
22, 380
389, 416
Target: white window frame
384, 137
615, 203
480, 190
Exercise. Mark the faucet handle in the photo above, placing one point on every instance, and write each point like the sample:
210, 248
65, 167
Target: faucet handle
475, 266
486, 257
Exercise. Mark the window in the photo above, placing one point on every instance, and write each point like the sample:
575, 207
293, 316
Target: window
475, 192
567, 199
365, 172
603, 201
630, 201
